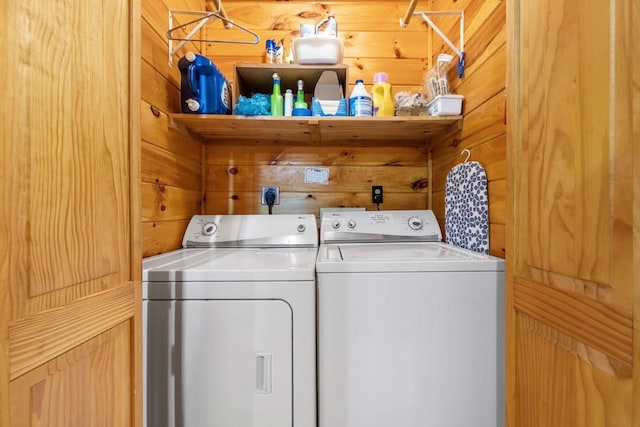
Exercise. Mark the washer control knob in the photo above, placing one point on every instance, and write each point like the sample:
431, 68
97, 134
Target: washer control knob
301, 227
335, 225
415, 223
209, 228
351, 224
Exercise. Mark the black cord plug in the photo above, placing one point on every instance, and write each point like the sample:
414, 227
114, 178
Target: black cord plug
270, 198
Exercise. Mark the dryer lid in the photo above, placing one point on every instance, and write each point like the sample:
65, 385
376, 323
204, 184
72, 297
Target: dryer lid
233, 265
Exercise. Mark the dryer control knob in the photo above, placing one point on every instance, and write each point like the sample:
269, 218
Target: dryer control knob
301, 227
351, 224
336, 224
415, 223
209, 228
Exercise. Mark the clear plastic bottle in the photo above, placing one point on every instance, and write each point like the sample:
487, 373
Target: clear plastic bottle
360, 101
381, 96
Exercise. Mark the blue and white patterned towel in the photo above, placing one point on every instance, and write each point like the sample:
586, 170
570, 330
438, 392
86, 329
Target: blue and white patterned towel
467, 208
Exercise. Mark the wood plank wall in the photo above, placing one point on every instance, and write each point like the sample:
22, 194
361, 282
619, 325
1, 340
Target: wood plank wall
483, 85
171, 165
373, 41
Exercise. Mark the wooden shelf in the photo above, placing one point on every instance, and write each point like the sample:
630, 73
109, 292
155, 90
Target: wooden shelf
321, 131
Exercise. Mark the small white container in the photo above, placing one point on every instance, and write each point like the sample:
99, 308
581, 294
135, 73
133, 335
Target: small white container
445, 105
317, 49
288, 103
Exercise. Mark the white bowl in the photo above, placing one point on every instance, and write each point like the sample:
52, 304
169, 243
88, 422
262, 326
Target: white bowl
317, 49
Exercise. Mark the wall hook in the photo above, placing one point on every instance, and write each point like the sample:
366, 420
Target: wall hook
468, 153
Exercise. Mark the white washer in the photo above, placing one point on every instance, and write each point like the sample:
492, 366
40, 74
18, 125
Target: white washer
229, 324
410, 329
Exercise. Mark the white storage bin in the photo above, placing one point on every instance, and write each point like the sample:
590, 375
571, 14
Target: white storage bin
445, 105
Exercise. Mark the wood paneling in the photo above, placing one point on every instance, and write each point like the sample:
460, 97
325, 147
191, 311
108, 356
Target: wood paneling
561, 384
295, 202
483, 130
92, 379
165, 203
171, 174
161, 237
224, 155
35, 339
373, 41
70, 204
573, 229
341, 178
235, 175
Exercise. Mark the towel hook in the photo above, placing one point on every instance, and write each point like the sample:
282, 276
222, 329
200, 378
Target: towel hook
468, 153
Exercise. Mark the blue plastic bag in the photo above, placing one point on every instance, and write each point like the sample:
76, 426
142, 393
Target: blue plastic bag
258, 105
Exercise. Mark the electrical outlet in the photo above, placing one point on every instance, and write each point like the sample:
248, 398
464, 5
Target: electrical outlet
265, 190
376, 194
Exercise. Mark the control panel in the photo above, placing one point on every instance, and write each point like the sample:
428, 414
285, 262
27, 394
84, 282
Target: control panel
380, 226
251, 231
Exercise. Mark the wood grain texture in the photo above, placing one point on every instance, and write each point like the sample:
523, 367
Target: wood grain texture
70, 138
573, 229
310, 202
93, 381
161, 237
342, 178
171, 172
165, 168
483, 86
634, 34
166, 203
564, 388
38, 338
373, 42
601, 326
323, 131
233, 155
154, 130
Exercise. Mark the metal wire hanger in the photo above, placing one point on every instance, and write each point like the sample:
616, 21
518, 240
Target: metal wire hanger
201, 21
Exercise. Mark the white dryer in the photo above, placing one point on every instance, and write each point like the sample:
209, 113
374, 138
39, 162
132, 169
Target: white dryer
229, 324
410, 329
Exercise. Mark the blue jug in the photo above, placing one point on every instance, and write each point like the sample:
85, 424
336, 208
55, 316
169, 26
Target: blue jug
203, 88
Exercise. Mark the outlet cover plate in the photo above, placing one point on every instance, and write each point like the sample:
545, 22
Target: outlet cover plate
376, 194
263, 200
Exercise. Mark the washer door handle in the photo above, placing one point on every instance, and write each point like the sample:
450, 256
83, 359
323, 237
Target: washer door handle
263, 373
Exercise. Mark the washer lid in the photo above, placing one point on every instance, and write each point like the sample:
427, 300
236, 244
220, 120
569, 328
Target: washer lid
232, 265
402, 257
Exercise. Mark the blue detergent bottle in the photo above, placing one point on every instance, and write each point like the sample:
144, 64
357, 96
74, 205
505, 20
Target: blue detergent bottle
203, 88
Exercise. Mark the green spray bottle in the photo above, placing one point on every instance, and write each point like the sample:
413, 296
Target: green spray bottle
300, 97
276, 97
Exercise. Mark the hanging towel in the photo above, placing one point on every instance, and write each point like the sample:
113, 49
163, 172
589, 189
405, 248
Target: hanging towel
466, 207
